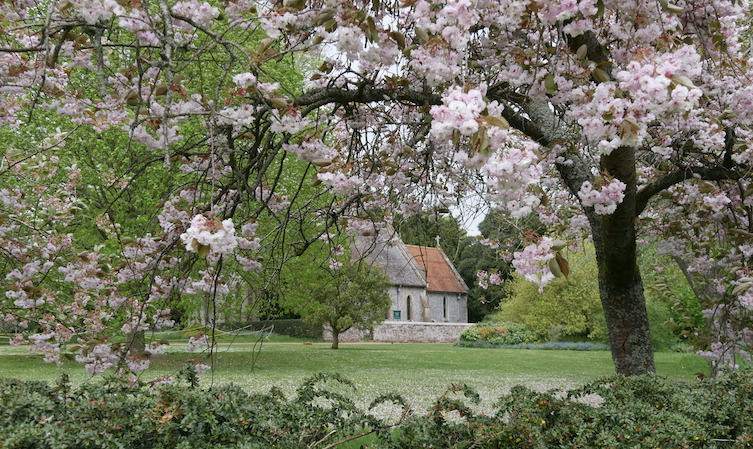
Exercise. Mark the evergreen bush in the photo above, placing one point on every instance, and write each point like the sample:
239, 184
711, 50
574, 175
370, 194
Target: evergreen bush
615, 412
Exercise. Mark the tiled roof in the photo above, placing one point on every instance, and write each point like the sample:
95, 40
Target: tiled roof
394, 259
441, 275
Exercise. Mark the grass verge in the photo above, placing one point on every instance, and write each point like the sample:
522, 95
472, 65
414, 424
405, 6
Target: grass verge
420, 372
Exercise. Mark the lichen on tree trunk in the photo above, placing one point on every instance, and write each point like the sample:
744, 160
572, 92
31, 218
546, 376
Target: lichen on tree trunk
624, 307
620, 283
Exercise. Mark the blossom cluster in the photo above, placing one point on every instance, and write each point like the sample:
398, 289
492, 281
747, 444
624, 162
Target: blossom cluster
290, 122
99, 359
211, 233
275, 201
510, 174
452, 21
310, 149
197, 342
200, 13
340, 183
245, 79
605, 200
615, 114
459, 112
485, 279
92, 11
533, 262
717, 203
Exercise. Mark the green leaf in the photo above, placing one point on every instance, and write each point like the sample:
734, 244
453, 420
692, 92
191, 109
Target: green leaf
550, 84
600, 75
582, 51
203, 251
497, 120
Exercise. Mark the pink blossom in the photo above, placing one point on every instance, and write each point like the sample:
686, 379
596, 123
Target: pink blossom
99, 359
245, 79
198, 342
210, 232
340, 183
92, 11
290, 122
459, 112
136, 365
202, 368
483, 279
717, 202
533, 262
604, 201
200, 13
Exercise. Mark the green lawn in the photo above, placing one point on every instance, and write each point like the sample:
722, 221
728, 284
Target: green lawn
420, 372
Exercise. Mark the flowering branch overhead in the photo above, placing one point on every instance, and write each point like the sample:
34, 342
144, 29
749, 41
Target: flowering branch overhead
259, 131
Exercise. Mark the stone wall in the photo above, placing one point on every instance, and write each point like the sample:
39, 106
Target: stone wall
407, 332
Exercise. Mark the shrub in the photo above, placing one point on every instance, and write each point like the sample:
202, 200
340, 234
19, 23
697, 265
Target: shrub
116, 414
616, 412
471, 334
556, 346
661, 337
555, 333
488, 332
498, 333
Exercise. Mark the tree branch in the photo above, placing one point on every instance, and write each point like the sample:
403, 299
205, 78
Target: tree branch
365, 93
678, 176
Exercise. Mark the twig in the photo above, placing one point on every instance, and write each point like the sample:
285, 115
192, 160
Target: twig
351, 438
325, 437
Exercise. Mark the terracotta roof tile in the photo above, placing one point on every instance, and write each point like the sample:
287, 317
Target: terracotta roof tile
441, 274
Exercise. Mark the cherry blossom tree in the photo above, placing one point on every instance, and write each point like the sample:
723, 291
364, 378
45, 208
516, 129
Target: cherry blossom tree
587, 113
709, 239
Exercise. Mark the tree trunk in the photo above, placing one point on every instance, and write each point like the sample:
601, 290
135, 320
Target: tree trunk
620, 284
614, 237
335, 338
135, 342
627, 321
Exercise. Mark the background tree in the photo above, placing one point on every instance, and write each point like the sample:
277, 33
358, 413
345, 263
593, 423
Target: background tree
571, 302
490, 257
352, 295
479, 258
424, 229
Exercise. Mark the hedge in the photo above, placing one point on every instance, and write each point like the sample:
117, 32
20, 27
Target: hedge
554, 346
292, 327
635, 412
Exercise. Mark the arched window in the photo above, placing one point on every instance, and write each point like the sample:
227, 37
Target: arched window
407, 309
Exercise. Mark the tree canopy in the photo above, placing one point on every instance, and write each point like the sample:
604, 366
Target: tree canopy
351, 296
215, 166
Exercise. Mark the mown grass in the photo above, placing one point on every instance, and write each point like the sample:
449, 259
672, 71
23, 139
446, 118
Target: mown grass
420, 372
